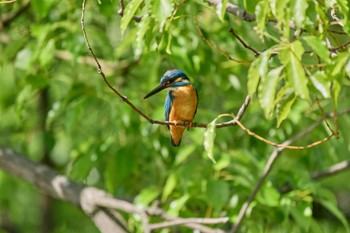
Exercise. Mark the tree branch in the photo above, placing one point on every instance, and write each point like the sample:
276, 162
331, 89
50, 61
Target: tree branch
59, 187
235, 10
96, 203
8, 18
332, 170
121, 12
245, 45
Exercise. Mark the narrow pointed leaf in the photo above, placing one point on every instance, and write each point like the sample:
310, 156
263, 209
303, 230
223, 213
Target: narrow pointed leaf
209, 137
320, 82
284, 105
221, 9
267, 90
298, 12
319, 47
129, 13
257, 69
261, 11
294, 70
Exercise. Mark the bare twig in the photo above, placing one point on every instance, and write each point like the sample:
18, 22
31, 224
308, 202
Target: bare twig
9, 1
156, 211
343, 46
212, 45
245, 45
6, 19
332, 170
235, 10
183, 221
121, 12
285, 146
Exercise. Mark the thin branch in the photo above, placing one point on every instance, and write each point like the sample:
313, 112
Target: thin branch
235, 10
337, 32
335, 169
156, 211
245, 45
121, 12
343, 46
212, 45
284, 145
8, 18
6, 2
184, 221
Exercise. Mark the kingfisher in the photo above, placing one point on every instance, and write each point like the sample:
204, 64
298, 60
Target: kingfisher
180, 103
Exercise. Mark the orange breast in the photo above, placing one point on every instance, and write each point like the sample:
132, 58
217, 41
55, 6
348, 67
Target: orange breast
183, 109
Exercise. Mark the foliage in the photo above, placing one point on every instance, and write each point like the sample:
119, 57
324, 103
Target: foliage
55, 108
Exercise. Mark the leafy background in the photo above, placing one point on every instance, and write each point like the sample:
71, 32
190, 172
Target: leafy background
55, 109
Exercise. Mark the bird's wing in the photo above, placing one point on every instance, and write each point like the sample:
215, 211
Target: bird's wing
167, 105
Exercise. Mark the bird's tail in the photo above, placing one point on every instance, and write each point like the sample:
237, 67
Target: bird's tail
176, 135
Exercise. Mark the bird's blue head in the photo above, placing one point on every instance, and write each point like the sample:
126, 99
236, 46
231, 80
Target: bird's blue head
170, 81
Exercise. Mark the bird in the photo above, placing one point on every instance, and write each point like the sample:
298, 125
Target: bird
181, 102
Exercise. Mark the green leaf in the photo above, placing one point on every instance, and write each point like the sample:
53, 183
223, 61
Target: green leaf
327, 199
320, 82
249, 5
47, 54
146, 196
177, 205
129, 13
295, 72
278, 9
319, 47
257, 69
221, 9
285, 99
209, 137
269, 196
161, 10
41, 8
337, 67
298, 12
261, 11
343, 8
217, 193
336, 91
169, 186
267, 90
143, 27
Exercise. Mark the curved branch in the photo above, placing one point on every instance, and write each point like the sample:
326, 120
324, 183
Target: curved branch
332, 170
235, 10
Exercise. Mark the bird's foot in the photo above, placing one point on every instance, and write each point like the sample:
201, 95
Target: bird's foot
189, 124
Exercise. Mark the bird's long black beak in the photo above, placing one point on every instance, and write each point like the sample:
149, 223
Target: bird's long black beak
155, 90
